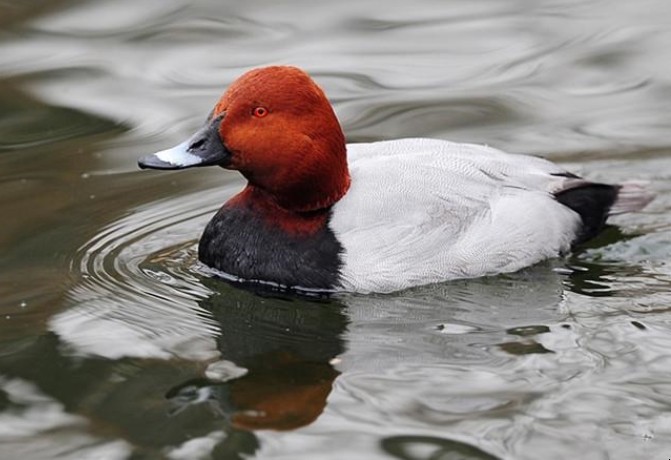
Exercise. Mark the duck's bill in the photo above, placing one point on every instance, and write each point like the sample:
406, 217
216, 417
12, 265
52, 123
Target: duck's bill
205, 148
177, 157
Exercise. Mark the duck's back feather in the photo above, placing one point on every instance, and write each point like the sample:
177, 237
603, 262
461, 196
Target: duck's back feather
422, 211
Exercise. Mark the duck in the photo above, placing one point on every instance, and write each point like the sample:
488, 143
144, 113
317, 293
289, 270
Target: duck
318, 213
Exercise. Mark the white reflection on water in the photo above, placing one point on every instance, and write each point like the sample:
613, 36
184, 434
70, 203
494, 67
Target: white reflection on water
38, 427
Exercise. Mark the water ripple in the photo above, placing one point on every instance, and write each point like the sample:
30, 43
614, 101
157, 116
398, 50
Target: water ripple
141, 291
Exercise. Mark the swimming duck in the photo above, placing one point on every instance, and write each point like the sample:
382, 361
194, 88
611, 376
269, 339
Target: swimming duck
318, 213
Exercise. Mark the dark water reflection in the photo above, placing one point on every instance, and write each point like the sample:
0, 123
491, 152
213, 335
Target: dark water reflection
115, 343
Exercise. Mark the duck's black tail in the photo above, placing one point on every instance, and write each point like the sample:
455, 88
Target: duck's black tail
595, 202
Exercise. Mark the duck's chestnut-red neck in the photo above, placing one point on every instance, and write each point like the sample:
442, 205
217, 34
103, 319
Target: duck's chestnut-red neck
274, 215
305, 191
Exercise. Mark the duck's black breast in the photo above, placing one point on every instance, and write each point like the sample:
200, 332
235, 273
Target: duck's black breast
242, 243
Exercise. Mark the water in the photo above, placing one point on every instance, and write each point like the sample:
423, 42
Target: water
114, 342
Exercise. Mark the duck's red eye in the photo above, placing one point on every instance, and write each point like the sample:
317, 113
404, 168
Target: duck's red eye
260, 112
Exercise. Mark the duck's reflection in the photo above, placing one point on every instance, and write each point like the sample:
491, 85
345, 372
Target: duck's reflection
267, 362
286, 345
588, 276
279, 354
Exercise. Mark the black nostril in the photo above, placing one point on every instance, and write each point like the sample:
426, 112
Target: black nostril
196, 145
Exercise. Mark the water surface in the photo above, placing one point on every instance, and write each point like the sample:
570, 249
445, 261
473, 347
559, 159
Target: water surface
116, 344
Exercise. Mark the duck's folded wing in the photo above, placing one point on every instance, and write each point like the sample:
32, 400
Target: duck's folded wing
422, 211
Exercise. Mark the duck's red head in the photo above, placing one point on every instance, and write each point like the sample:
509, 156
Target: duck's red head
276, 127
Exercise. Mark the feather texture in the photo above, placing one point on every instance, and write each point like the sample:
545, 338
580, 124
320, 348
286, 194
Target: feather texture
446, 211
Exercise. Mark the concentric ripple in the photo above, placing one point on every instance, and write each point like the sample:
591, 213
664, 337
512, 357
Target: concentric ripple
137, 281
